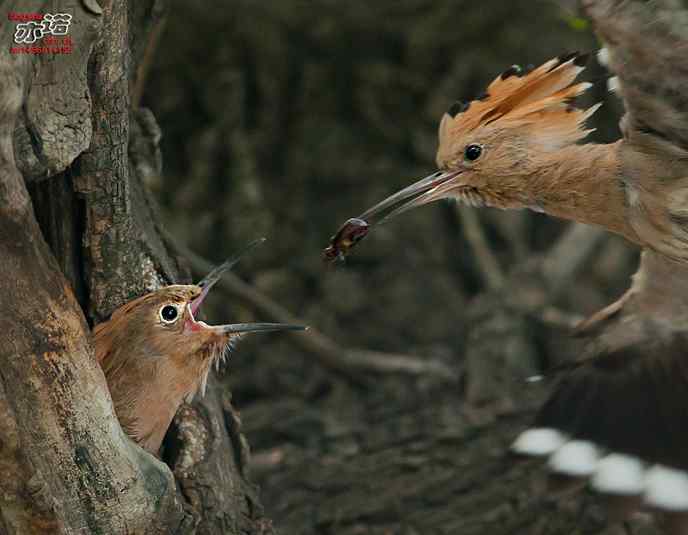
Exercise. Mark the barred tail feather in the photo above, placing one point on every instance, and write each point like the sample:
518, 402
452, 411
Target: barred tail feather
621, 421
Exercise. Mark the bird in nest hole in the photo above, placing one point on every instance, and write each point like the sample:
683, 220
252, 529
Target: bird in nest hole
156, 354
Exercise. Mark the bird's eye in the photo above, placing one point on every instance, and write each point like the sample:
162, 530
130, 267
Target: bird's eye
473, 152
168, 314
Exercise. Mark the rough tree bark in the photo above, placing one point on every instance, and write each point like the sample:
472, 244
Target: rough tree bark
78, 238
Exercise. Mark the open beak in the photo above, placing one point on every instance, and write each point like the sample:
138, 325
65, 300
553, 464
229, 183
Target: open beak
216, 274
237, 328
430, 188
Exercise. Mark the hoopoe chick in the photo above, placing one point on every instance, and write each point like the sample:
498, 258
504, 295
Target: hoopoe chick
155, 354
618, 420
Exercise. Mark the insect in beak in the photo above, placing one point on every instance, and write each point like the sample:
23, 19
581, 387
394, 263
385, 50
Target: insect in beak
209, 281
426, 190
348, 235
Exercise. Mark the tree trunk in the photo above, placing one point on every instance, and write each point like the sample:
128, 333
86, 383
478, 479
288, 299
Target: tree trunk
78, 238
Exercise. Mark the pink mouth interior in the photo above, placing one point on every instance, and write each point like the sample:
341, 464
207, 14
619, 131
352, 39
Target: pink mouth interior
191, 323
196, 303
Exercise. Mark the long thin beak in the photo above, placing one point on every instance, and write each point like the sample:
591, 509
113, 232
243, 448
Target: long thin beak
216, 274
238, 328
426, 190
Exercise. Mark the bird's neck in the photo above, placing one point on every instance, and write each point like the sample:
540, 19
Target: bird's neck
583, 183
147, 388
159, 397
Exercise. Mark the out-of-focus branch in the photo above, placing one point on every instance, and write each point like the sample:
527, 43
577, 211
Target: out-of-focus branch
560, 319
157, 25
500, 346
569, 254
560, 264
473, 230
349, 362
557, 268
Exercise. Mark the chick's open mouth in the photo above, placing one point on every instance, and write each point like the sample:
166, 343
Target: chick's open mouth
191, 322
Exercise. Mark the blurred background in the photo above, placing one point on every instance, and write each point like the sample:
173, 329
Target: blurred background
283, 119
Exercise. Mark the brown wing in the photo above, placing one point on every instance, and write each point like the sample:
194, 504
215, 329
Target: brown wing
620, 416
648, 51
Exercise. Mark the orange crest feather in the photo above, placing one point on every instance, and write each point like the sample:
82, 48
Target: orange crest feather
539, 102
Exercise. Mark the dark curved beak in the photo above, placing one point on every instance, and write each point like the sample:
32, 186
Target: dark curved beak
216, 274
431, 188
240, 328
426, 190
235, 328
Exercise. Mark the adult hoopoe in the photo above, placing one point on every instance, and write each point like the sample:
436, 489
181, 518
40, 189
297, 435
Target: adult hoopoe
619, 418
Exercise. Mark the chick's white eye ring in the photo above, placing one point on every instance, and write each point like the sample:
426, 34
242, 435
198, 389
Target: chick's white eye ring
169, 314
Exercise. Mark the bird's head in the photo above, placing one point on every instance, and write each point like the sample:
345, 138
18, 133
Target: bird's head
488, 147
162, 326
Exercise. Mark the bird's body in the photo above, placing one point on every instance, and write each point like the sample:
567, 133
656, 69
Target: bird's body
619, 418
156, 355
148, 383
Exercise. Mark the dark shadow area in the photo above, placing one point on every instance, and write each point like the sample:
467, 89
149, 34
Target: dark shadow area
283, 119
